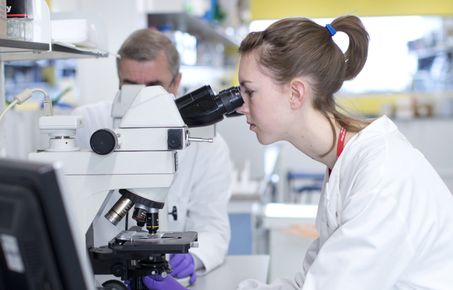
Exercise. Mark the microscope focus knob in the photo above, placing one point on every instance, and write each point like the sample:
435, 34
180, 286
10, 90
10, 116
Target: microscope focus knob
174, 213
103, 141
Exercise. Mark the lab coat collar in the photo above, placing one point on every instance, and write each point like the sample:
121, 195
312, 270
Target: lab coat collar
379, 126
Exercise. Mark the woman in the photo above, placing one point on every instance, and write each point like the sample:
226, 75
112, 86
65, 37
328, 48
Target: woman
385, 217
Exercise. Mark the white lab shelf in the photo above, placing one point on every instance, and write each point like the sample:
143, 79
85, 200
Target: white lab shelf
11, 50
193, 25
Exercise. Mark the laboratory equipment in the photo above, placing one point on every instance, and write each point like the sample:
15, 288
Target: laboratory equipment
138, 158
37, 248
24, 96
203, 107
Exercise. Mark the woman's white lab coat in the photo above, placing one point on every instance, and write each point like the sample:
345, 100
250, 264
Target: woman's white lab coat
385, 221
200, 191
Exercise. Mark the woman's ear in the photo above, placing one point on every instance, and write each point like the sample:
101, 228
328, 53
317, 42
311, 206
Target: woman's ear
298, 93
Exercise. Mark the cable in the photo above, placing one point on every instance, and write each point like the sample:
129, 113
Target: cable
48, 109
7, 108
24, 96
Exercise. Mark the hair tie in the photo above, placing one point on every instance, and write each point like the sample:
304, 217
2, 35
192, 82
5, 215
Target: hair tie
331, 30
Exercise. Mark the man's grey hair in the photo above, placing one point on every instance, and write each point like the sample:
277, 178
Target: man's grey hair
145, 45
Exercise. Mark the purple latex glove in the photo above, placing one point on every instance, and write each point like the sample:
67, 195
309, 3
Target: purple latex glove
159, 283
183, 265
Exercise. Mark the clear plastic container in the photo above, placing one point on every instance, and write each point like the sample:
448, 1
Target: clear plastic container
20, 28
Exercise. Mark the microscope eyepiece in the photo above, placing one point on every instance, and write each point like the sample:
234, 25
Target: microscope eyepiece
203, 107
231, 99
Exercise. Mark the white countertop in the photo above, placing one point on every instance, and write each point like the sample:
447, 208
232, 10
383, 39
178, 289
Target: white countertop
234, 270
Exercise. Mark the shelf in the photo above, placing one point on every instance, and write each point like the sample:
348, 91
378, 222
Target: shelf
432, 51
11, 50
190, 24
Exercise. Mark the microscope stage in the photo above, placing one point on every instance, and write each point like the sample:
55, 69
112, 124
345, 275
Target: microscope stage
166, 242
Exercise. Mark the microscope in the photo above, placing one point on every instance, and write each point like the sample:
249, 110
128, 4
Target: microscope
139, 158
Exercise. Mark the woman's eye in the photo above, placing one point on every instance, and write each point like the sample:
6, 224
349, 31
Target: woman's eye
249, 93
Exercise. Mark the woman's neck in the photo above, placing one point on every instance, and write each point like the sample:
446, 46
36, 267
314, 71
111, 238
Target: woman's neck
315, 138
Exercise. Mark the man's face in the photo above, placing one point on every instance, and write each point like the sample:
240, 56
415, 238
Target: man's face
149, 73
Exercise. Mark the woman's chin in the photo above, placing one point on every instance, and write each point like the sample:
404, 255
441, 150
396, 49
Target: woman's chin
264, 140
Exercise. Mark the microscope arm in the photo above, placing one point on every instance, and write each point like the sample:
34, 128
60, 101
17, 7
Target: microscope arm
90, 177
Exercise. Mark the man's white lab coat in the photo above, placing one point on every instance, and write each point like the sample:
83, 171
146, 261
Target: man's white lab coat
385, 221
200, 191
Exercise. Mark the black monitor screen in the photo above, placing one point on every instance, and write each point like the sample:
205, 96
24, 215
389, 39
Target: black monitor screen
37, 250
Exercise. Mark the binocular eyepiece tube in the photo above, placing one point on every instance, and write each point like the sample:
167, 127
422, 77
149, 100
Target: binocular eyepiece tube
203, 107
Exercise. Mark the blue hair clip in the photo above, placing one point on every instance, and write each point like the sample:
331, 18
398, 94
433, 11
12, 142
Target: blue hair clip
331, 30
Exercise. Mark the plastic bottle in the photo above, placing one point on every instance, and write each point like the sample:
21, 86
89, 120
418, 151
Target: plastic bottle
19, 23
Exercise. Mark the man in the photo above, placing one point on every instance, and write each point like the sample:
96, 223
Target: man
201, 188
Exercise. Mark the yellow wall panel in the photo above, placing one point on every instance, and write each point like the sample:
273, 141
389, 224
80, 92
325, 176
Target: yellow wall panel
270, 9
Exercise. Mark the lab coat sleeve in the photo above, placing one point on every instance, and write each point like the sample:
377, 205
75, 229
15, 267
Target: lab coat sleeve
309, 258
208, 205
370, 247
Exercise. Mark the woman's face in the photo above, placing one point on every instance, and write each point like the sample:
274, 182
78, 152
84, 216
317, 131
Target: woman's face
266, 104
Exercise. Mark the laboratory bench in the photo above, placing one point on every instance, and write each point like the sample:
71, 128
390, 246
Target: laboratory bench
234, 270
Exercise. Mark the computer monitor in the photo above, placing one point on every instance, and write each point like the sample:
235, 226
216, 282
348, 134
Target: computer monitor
37, 248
